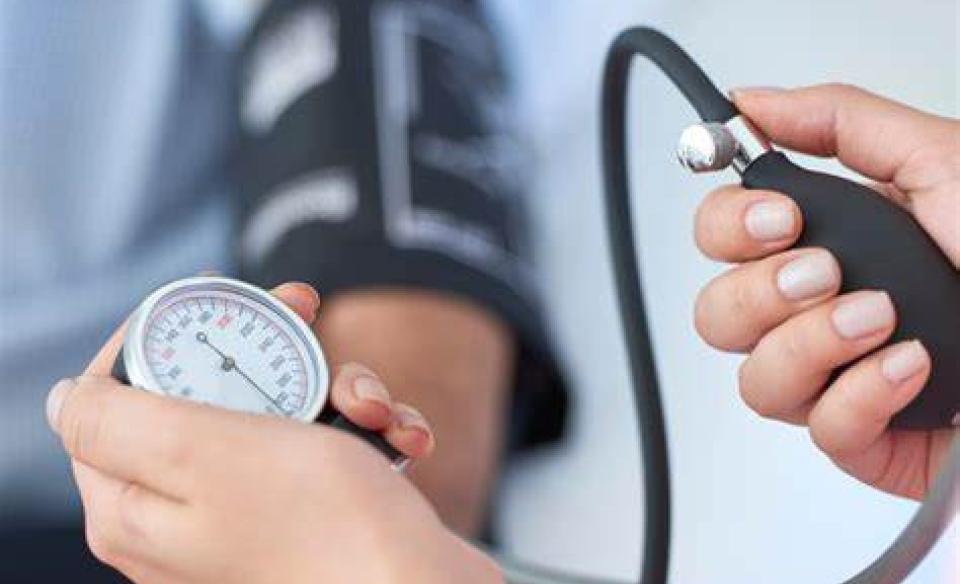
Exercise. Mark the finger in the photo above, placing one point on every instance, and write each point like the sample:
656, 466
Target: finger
102, 364
792, 363
410, 433
870, 134
126, 524
137, 436
360, 395
855, 411
734, 224
736, 309
302, 298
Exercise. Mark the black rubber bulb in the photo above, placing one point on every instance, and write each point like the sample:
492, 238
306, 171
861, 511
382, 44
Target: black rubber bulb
881, 247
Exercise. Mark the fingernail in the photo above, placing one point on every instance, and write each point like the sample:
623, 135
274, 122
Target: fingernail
863, 315
55, 401
903, 362
369, 388
759, 90
314, 295
809, 276
770, 220
310, 289
410, 418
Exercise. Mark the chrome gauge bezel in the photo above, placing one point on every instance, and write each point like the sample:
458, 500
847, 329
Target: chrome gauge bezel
134, 355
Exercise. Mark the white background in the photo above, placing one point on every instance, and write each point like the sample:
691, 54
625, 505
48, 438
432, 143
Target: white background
754, 501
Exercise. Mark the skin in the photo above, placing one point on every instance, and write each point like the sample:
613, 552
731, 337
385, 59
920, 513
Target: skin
175, 491
792, 346
449, 357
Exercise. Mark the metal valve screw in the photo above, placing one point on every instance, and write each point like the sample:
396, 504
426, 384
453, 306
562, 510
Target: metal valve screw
707, 147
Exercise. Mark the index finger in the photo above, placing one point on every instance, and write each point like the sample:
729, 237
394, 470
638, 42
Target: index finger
868, 133
102, 364
136, 436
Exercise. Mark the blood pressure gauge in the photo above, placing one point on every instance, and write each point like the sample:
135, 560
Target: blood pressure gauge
226, 343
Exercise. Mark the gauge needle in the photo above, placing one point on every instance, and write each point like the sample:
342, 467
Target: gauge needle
230, 364
258, 388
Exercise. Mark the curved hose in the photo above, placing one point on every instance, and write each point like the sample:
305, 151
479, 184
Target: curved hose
636, 332
925, 528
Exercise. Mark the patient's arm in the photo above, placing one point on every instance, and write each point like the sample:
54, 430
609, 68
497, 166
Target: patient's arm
451, 358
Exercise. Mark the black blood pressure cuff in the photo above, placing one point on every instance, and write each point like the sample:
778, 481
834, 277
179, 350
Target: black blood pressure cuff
376, 152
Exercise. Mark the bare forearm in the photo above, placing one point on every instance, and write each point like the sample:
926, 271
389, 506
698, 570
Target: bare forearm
454, 361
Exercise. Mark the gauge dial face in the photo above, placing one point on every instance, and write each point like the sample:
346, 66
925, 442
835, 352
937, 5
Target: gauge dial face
225, 343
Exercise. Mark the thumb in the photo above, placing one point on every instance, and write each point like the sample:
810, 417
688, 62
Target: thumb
869, 134
102, 364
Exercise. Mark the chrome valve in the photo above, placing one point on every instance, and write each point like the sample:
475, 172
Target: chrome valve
711, 146
706, 147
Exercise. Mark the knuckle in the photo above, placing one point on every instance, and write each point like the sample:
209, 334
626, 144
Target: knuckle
702, 316
744, 299
704, 234
174, 448
842, 89
821, 437
863, 408
728, 312
835, 423
130, 510
790, 345
751, 392
707, 316
751, 309
940, 159
825, 437
100, 545
716, 230
82, 430
701, 238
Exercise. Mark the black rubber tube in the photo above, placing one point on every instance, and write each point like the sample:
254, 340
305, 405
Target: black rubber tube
674, 62
655, 555
711, 105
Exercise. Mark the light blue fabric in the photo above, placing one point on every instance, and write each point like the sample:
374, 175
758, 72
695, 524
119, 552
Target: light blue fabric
114, 122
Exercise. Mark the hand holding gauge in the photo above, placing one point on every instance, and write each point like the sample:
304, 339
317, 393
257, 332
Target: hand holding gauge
174, 491
226, 343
